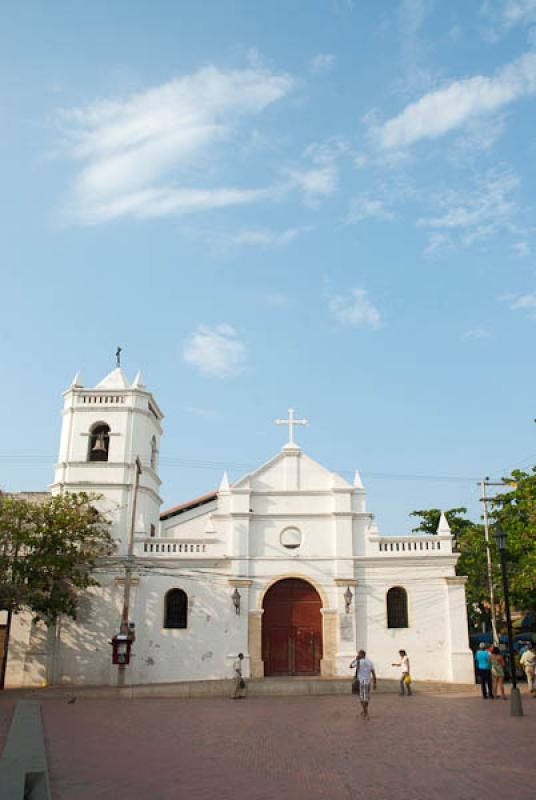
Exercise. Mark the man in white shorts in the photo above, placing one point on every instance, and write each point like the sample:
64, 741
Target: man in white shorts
364, 671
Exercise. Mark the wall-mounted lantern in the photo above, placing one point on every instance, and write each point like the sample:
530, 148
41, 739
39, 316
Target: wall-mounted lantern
236, 600
348, 599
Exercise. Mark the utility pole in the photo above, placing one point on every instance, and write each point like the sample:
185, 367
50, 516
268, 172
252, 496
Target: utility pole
491, 591
516, 708
124, 629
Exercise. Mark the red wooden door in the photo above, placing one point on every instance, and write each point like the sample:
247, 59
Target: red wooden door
279, 648
292, 629
304, 662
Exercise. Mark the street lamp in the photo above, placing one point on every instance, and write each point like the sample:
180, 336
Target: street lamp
516, 709
236, 600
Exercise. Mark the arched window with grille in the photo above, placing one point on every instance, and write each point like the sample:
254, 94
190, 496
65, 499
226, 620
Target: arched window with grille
176, 609
397, 608
99, 442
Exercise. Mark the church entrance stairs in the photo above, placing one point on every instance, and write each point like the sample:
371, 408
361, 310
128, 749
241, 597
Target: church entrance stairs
265, 687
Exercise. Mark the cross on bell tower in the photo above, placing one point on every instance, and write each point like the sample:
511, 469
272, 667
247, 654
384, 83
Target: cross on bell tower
291, 422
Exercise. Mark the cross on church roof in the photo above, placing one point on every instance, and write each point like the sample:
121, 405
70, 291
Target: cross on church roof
291, 422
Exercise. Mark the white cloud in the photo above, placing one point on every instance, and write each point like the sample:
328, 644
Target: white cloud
314, 183
443, 110
477, 333
438, 245
525, 302
480, 213
322, 63
222, 241
148, 154
479, 135
503, 15
326, 153
266, 238
355, 310
365, 207
216, 352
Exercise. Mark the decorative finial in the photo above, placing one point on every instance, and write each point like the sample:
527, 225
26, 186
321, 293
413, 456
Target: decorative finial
358, 483
291, 422
224, 485
118, 356
443, 527
138, 381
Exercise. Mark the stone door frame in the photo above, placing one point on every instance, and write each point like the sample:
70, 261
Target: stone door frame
328, 662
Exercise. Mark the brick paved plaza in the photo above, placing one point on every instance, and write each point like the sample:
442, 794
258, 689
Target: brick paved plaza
315, 748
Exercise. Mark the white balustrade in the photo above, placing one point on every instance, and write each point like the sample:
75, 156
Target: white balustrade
172, 548
411, 545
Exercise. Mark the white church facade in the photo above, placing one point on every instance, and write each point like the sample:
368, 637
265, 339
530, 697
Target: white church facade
286, 565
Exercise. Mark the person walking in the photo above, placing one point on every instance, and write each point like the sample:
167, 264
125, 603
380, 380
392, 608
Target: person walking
528, 662
497, 672
405, 678
483, 668
239, 686
364, 670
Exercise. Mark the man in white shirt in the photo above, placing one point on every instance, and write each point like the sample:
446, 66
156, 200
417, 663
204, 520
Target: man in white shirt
528, 662
239, 687
364, 671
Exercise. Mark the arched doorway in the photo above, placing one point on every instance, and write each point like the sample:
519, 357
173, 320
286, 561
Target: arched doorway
292, 629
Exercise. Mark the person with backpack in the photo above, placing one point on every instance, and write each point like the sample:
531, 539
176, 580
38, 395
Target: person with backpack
364, 671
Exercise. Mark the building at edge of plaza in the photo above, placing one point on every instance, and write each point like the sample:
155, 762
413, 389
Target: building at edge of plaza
286, 565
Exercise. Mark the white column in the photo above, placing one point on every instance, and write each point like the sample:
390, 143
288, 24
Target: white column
461, 657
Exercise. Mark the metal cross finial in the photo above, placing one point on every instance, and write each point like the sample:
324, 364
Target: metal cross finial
118, 356
291, 422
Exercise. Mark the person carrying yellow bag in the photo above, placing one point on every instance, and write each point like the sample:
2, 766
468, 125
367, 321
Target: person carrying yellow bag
405, 677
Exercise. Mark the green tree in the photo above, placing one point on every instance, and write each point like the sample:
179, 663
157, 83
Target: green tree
515, 511
429, 520
15, 523
48, 553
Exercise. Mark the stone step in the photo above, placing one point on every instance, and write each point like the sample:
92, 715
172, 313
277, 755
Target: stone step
258, 687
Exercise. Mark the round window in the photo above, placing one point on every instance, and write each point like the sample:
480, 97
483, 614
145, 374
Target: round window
291, 538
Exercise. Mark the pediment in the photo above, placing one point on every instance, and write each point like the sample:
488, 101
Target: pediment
274, 474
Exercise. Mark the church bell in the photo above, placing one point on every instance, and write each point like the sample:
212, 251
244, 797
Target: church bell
99, 446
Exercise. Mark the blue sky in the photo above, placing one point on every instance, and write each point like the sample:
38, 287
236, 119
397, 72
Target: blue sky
328, 205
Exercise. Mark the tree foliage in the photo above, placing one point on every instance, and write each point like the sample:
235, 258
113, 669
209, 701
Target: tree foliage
48, 553
429, 520
515, 510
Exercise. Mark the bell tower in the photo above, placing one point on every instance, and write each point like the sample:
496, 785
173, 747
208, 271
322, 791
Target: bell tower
104, 430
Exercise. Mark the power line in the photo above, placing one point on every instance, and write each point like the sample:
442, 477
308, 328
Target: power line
168, 461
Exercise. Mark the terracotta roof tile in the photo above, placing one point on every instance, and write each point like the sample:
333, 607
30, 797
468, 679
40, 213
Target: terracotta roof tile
197, 501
